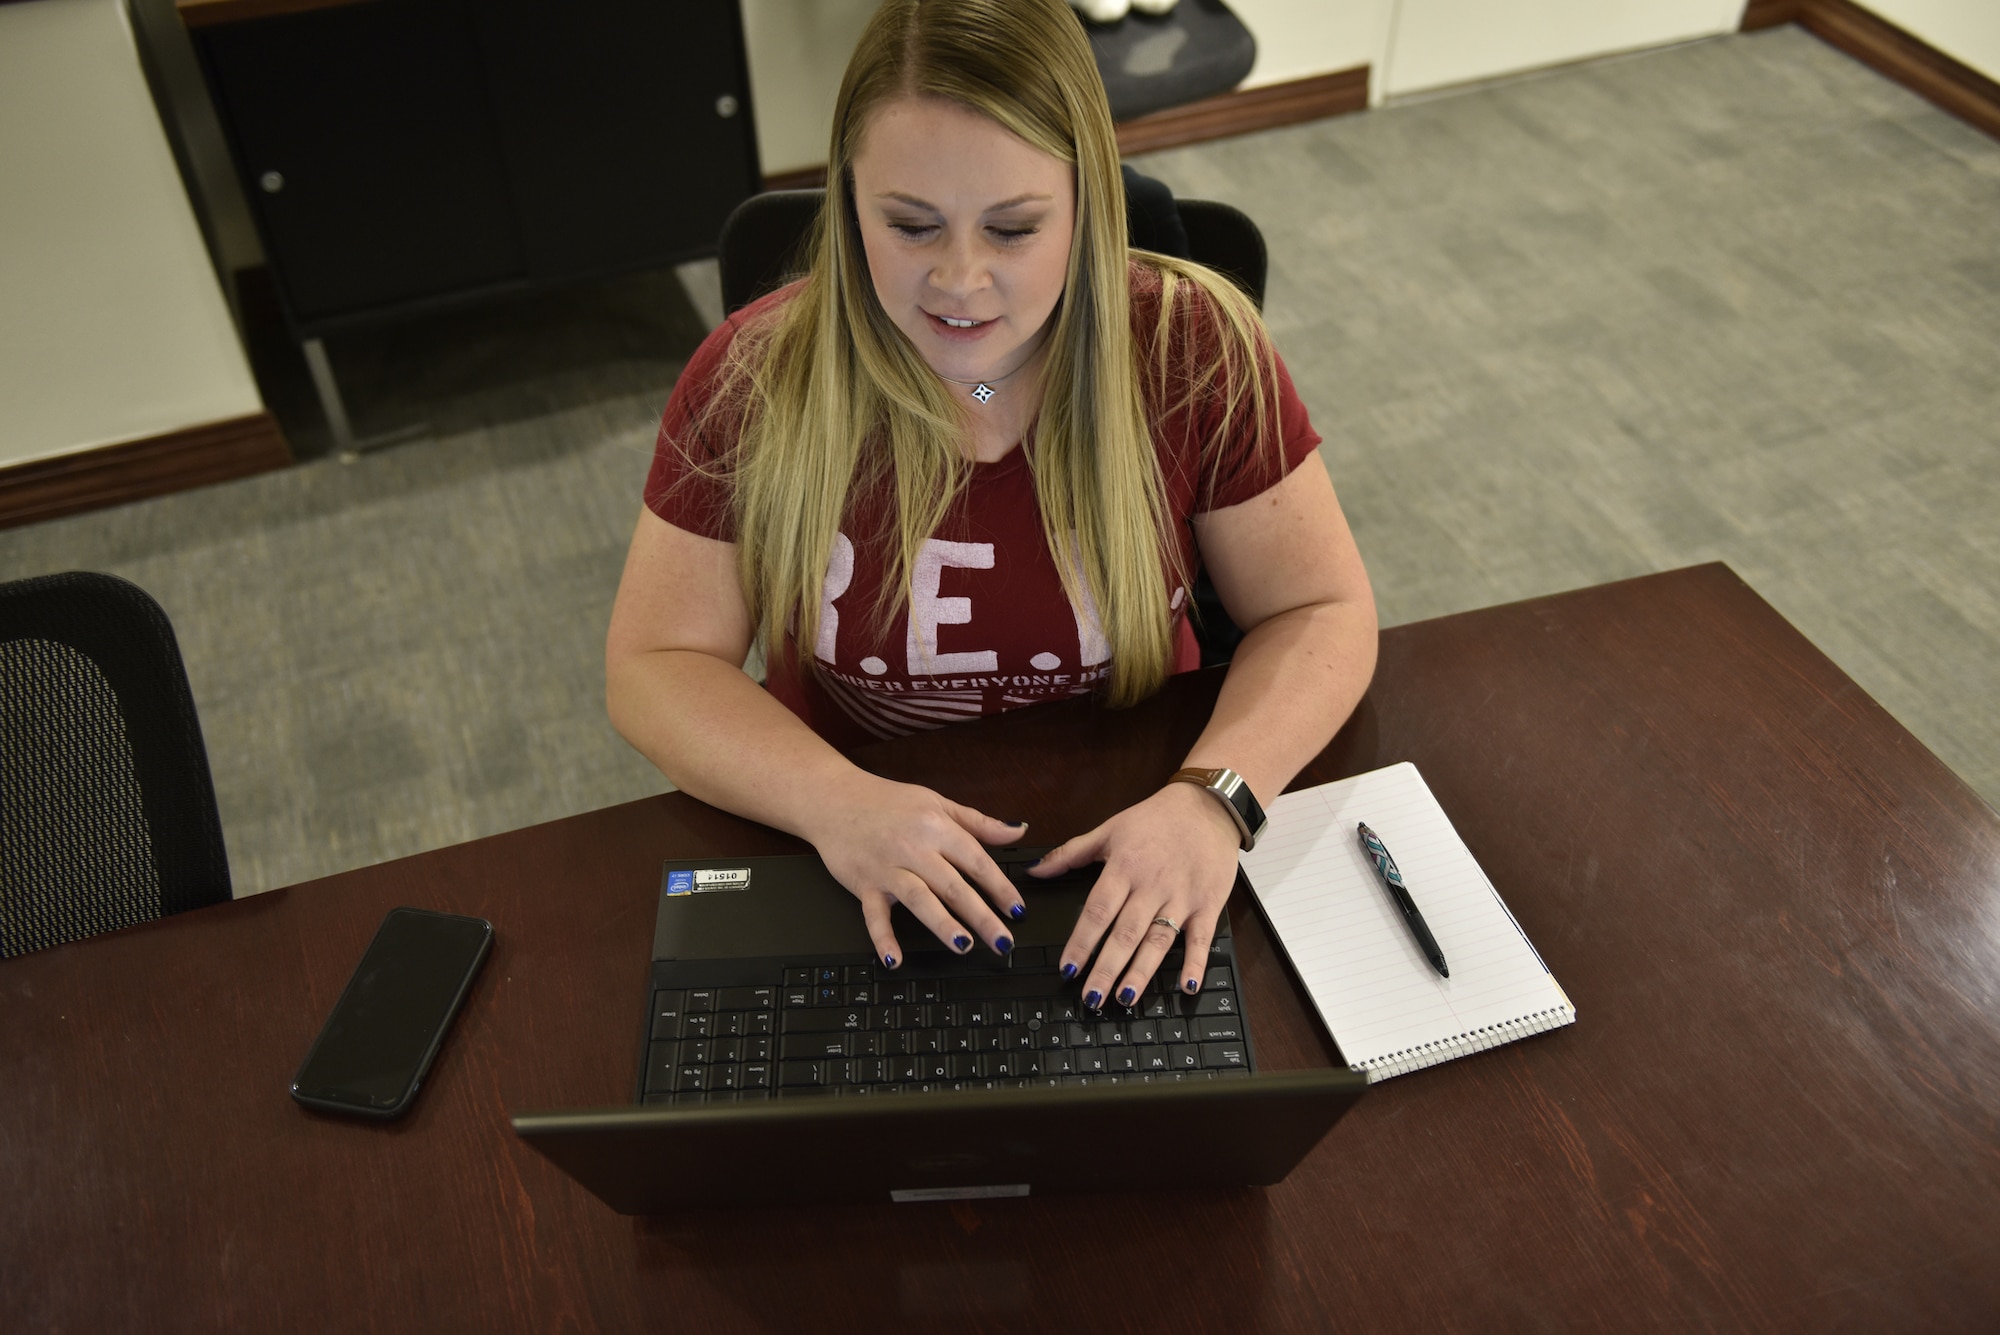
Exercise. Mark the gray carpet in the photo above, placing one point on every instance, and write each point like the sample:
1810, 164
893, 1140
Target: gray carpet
1735, 300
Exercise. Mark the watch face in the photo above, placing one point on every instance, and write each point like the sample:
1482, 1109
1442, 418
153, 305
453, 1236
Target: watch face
1228, 786
1249, 814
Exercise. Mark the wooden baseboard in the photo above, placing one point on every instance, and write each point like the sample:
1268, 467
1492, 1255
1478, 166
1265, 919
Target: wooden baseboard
1891, 52
1247, 109
1760, 14
798, 178
138, 469
1220, 117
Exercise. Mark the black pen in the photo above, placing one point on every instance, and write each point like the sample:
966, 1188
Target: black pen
1392, 881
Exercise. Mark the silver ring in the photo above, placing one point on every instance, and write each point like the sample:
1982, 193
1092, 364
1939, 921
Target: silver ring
1169, 924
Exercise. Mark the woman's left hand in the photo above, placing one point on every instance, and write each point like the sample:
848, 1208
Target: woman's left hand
1171, 856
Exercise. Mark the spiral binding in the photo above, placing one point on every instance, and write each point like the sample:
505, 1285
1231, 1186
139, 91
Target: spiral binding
1460, 1045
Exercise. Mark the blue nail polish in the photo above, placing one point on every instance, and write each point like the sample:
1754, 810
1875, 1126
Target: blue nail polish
1038, 862
1017, 824
1069, 971
961, 942
1127, 997
888, 961
1093, 998
1189, 986
1003, 944
1016, 912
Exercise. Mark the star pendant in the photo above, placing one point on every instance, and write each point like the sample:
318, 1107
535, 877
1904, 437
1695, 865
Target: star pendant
983, 393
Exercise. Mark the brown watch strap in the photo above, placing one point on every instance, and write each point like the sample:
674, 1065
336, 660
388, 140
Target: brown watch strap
1227, 787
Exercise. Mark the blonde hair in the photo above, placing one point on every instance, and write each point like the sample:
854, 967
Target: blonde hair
830, 401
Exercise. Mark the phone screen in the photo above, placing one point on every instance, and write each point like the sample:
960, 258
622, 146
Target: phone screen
390, 1020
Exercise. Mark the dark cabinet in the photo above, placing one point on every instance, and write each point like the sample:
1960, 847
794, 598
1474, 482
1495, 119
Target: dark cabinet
572, 83
400, 153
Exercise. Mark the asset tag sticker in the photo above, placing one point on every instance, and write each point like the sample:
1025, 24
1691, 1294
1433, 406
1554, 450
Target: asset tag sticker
721, 878
680, 882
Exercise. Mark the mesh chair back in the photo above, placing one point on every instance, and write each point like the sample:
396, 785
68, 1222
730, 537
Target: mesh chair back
107, 810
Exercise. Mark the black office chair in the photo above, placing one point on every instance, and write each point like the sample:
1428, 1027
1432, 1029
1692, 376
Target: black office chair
764, 239
764, 246
107, 811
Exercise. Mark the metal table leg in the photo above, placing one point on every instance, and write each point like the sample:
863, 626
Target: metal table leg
346, 447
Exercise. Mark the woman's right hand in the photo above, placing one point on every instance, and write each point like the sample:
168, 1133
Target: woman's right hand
678, 631
898, 843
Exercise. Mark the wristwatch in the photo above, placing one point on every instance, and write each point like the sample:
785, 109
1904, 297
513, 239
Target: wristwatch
1234, 794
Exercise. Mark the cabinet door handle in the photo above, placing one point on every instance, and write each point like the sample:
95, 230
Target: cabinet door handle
726, 105
272, 182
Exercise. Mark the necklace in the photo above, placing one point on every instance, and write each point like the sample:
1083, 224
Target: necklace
983, 389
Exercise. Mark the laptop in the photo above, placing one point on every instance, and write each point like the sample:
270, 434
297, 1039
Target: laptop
779, 1062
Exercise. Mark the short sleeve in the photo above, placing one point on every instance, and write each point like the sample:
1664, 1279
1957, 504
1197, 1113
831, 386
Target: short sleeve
1211, 460
1239, 470
688, 485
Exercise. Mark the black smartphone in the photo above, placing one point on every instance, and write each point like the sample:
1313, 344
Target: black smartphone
391, 1018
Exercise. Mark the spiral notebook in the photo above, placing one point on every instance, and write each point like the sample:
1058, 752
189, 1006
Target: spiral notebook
1388, 1009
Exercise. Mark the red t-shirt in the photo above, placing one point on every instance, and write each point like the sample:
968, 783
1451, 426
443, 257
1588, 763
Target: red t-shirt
987, 627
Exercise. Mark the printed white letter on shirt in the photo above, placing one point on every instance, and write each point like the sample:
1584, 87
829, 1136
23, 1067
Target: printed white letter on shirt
928, 611
1092, 647
839, 574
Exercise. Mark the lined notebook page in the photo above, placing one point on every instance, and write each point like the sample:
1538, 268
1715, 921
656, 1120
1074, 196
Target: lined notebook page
1388, 1009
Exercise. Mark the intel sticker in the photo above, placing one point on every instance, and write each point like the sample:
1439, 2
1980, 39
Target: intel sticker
721, 878
680, 882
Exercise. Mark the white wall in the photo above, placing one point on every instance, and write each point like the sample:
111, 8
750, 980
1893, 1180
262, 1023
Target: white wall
1440, 42
1297, 39
1966, 30
799, 48
112, 325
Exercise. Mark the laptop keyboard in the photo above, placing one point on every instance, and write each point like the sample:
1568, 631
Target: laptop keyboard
940, 1024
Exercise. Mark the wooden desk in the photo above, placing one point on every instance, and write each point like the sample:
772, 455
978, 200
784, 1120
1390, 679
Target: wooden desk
1778, 915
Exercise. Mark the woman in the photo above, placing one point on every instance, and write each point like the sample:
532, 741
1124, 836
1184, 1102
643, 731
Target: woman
969, 462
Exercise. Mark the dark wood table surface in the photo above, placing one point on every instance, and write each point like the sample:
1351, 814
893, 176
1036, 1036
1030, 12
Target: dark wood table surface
1778, 916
